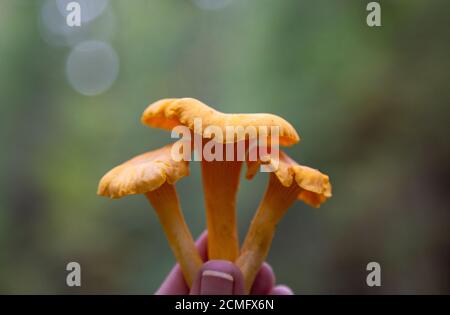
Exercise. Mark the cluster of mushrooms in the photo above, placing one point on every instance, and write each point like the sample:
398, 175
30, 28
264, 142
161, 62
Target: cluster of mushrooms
155, 173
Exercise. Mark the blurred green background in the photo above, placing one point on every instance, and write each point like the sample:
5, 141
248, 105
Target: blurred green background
371, 106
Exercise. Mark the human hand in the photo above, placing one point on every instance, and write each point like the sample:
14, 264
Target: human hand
220, 277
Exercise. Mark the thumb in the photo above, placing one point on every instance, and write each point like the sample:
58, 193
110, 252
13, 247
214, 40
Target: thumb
218, 277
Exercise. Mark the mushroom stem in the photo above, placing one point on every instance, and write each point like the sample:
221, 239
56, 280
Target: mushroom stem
165, 201
220, 184
277, 199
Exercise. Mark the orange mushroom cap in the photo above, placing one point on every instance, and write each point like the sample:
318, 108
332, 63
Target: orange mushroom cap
143, 173
169, 113
315, 186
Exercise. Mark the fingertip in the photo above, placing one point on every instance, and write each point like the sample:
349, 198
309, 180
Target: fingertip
264, 280
201, 238
174, 283
281, 290
202, 245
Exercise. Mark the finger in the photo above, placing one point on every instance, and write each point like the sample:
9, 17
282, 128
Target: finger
264, 281
202, 245
281, 290
218, 277
174, 283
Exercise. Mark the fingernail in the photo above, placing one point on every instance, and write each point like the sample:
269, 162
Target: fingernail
215, 282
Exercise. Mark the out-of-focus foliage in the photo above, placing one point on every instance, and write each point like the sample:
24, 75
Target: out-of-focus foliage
371, 106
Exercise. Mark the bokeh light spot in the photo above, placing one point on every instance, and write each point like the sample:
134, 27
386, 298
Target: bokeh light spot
92, 67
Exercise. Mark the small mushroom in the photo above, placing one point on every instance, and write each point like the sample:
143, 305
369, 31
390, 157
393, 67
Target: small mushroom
220, 177
288, 183
154, 174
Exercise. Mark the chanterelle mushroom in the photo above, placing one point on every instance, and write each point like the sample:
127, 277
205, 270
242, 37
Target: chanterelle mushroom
220, 177
154, 174
289, 182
